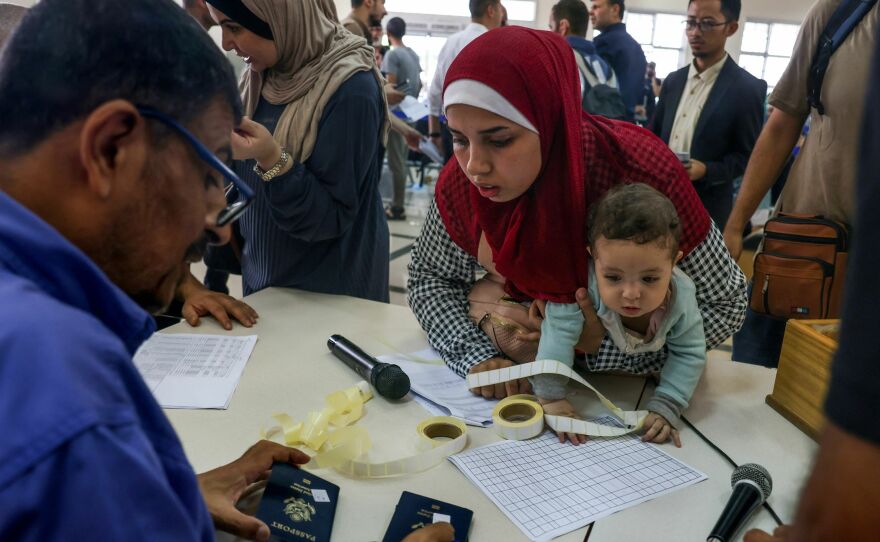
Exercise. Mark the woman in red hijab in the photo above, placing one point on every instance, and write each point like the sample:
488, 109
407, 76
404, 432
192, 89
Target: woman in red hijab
529, 165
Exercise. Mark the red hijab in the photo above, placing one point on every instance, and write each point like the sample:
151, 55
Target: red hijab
539, 240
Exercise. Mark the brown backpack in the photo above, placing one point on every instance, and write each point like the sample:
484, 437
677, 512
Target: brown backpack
800, 270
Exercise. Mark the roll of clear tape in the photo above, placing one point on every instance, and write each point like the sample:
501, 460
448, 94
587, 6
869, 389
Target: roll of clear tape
340, 448
632, 420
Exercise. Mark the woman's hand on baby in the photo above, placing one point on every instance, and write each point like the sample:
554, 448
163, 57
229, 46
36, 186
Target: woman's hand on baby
251, 140
499, 391
659, 430
592, 335
562, 407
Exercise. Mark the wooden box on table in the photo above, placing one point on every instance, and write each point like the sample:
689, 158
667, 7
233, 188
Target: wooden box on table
804, 373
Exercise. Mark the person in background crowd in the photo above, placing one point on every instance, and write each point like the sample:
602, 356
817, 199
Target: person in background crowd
619, 49
648, 105
822, 177
841, 497
485, 15
364, 15
402, 69
712, 110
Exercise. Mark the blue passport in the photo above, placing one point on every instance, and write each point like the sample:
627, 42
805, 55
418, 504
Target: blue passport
297, 505
415, 511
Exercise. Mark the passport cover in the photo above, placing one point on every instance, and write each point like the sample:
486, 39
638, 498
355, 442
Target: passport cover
415, 511
290, 509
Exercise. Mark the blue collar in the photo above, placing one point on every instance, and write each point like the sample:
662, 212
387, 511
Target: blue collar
33, 250
616, 27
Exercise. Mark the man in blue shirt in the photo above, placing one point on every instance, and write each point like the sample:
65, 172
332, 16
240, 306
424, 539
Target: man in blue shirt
101, 202
620, 50
569, 19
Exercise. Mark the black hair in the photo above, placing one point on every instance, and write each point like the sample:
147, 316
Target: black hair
70, 56
638, 213
573, 11
356, 3
479, 7
621, 4
396, 27
730, 8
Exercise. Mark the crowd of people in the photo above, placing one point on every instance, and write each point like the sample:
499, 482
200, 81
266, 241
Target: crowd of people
123, 161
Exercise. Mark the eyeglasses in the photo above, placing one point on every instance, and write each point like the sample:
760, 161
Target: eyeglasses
233, 211
706, 25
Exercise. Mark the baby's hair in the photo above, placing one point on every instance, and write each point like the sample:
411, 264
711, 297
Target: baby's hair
637, 213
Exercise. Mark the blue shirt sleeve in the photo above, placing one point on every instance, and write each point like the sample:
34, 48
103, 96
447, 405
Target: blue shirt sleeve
319, 200
102, 485
560, 331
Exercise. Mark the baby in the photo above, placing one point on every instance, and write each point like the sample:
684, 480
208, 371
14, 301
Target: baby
642, 299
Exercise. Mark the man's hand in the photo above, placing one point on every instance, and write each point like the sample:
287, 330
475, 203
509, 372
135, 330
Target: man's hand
413, 139
224, 486
781, 534
199, 301
733, 238
659, 430
562, 407
499, 391
696, 170
592, 335
438, 532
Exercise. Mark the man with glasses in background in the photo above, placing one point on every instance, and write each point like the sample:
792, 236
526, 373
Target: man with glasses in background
711, 112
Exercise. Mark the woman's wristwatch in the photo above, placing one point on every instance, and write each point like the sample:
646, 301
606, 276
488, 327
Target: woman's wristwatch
273, 171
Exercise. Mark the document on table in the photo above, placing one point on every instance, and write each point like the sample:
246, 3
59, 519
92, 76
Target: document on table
441, 391
548, 489
427, 147
193, 371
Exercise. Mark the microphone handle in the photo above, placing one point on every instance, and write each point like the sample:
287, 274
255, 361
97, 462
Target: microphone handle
743, 501
352, 355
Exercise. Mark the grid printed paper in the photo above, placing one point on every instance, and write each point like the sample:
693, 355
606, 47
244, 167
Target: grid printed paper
549, 489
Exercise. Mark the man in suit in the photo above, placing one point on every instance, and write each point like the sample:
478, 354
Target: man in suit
713, 109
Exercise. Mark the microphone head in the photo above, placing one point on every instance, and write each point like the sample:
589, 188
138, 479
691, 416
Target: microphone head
391, 381
754, 473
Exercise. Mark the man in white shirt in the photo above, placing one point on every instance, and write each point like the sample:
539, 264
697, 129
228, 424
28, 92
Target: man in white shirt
485, 15
712, 111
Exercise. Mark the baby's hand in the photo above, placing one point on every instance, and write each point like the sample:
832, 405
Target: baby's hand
658, 430
562, 407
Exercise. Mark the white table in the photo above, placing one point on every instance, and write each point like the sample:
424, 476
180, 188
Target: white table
292, 371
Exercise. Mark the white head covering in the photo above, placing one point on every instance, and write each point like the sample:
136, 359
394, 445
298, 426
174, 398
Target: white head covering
476, 94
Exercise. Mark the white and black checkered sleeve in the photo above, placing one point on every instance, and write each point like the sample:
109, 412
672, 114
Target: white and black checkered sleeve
441, 275
721, 296
721, 288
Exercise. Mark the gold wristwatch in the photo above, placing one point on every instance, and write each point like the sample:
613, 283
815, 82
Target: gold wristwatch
274, 170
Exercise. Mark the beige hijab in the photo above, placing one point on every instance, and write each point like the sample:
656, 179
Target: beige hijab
10, 16
316, 55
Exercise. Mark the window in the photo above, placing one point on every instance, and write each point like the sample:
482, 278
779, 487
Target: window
661, 36
517, 10
428, 49
767, 49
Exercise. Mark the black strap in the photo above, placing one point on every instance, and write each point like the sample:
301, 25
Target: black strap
845, 18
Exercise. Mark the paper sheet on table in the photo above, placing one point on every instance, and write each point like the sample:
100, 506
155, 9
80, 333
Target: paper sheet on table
413, 109
439, 390
193, 371
427, 147
548, 489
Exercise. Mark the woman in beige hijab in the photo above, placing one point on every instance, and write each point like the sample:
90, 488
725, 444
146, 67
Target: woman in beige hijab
309, 149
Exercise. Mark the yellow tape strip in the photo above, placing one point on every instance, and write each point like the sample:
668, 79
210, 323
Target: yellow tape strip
340, 448
633, 420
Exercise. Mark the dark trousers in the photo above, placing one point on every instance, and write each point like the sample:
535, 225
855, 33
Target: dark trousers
759, 342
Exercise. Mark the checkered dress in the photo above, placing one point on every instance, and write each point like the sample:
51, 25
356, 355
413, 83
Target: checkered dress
441, 275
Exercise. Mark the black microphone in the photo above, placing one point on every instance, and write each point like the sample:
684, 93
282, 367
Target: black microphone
389, 380
751, 485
